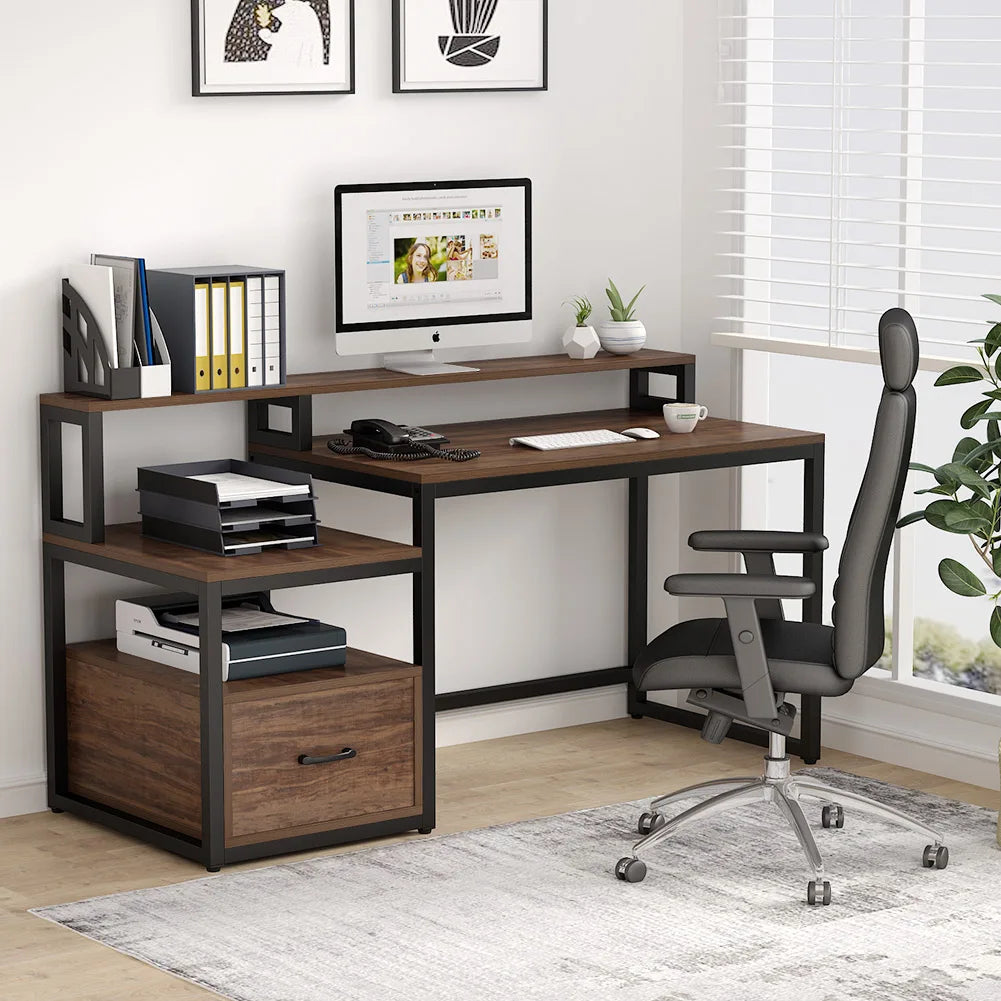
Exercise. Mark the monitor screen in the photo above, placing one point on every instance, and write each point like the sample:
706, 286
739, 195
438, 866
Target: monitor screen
432, 253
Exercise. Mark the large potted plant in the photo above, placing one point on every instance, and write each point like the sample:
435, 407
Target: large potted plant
622, 333
967, 489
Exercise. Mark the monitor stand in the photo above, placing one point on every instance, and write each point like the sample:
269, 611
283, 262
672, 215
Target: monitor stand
421, 363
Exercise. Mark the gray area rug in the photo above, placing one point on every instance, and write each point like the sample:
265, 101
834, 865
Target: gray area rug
532, 911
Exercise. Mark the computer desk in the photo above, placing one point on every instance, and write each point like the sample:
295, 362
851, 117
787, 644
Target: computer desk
716, 444
122, 550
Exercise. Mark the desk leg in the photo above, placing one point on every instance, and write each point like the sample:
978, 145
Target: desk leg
424, 642
212, 737
813, 609
54, 601
639, 532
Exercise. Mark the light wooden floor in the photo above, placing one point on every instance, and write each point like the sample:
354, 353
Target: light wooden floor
46, 859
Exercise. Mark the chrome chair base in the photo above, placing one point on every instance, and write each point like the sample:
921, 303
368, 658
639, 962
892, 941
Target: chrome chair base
785, 791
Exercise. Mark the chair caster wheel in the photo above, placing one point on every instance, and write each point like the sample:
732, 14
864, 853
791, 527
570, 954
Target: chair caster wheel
630, 870
213, 868
650, 822
833, 816
636, 715
424, 830
935, 857
817, 893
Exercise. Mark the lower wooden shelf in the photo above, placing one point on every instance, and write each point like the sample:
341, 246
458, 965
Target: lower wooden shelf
133, 729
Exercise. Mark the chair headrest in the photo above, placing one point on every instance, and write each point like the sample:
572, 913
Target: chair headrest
899, 351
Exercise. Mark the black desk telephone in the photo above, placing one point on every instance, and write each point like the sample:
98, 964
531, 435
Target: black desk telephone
384, 440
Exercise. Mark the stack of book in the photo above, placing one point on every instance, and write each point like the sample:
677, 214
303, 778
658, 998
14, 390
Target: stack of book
227, 506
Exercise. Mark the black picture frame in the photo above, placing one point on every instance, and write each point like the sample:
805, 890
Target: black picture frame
199, 86
340, 326
399, 83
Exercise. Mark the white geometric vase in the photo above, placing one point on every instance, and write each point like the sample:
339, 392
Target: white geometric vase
581, 342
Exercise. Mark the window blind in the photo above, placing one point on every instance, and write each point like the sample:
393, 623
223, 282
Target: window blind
864, 146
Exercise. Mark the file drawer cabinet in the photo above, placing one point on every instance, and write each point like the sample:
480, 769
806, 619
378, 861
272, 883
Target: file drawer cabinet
133, 743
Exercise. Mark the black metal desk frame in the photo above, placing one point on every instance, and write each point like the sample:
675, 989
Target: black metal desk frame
423, 498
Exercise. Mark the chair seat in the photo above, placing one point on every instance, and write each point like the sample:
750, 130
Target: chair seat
700, 653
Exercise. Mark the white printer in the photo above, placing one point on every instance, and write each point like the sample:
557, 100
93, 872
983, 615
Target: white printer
256, 639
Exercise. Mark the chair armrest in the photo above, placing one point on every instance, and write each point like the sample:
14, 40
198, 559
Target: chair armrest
758, 542
733, 585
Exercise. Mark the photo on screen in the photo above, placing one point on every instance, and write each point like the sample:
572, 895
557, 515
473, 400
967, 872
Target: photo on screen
415, 260
488, 247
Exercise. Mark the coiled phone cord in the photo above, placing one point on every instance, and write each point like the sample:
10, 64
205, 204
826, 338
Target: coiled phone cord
342, 446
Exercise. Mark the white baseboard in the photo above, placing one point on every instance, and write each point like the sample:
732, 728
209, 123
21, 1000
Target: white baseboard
963, 763
27, 795
548, 712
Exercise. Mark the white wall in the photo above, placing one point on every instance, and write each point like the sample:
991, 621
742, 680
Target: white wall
104, 150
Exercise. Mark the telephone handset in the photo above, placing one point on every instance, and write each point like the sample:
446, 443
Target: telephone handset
383, 435
380, 439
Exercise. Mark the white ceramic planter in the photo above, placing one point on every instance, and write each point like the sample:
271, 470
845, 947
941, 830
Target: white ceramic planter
621, 338
581, 342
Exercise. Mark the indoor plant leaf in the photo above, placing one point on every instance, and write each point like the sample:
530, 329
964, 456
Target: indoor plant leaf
964, 522
962, 454
993, 340
996, 626
959, 375
960, 580
966, 476
993, 298
996, 561
920, 467
957, 517
942, 490
935, 515
910, 519
972, 415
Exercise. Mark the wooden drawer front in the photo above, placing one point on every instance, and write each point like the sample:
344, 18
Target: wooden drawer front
270, 791
134, 745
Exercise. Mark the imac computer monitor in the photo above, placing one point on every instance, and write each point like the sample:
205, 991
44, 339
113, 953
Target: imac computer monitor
432, 265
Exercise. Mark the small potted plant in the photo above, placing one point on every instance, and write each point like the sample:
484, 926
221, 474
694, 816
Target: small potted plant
580, 340
623, 334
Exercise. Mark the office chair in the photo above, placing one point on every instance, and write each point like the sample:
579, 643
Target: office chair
742, 666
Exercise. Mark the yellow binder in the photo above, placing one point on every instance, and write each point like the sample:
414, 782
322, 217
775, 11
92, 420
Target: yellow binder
203, 377
237, 335
220, 363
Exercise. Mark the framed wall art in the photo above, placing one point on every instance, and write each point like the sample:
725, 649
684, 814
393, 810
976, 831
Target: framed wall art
456, 45
246, 47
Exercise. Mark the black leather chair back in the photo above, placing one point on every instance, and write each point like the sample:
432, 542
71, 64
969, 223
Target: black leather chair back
858, 592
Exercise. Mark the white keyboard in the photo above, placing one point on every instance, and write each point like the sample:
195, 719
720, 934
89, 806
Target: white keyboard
571, 439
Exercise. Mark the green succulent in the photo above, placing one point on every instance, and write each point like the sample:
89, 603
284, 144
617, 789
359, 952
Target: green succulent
581, 307
967, 490
620, 313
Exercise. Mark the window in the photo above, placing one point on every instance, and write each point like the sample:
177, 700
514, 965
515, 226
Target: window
866, 145
864, 139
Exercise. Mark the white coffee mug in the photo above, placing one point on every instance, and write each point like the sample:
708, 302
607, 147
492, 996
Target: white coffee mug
682, 417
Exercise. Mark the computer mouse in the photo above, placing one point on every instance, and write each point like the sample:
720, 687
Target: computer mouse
640, 433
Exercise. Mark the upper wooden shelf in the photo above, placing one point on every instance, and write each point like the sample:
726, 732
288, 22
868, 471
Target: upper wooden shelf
337, 550
360, 379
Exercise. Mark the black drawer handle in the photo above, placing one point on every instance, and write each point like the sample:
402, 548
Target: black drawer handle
308, 759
